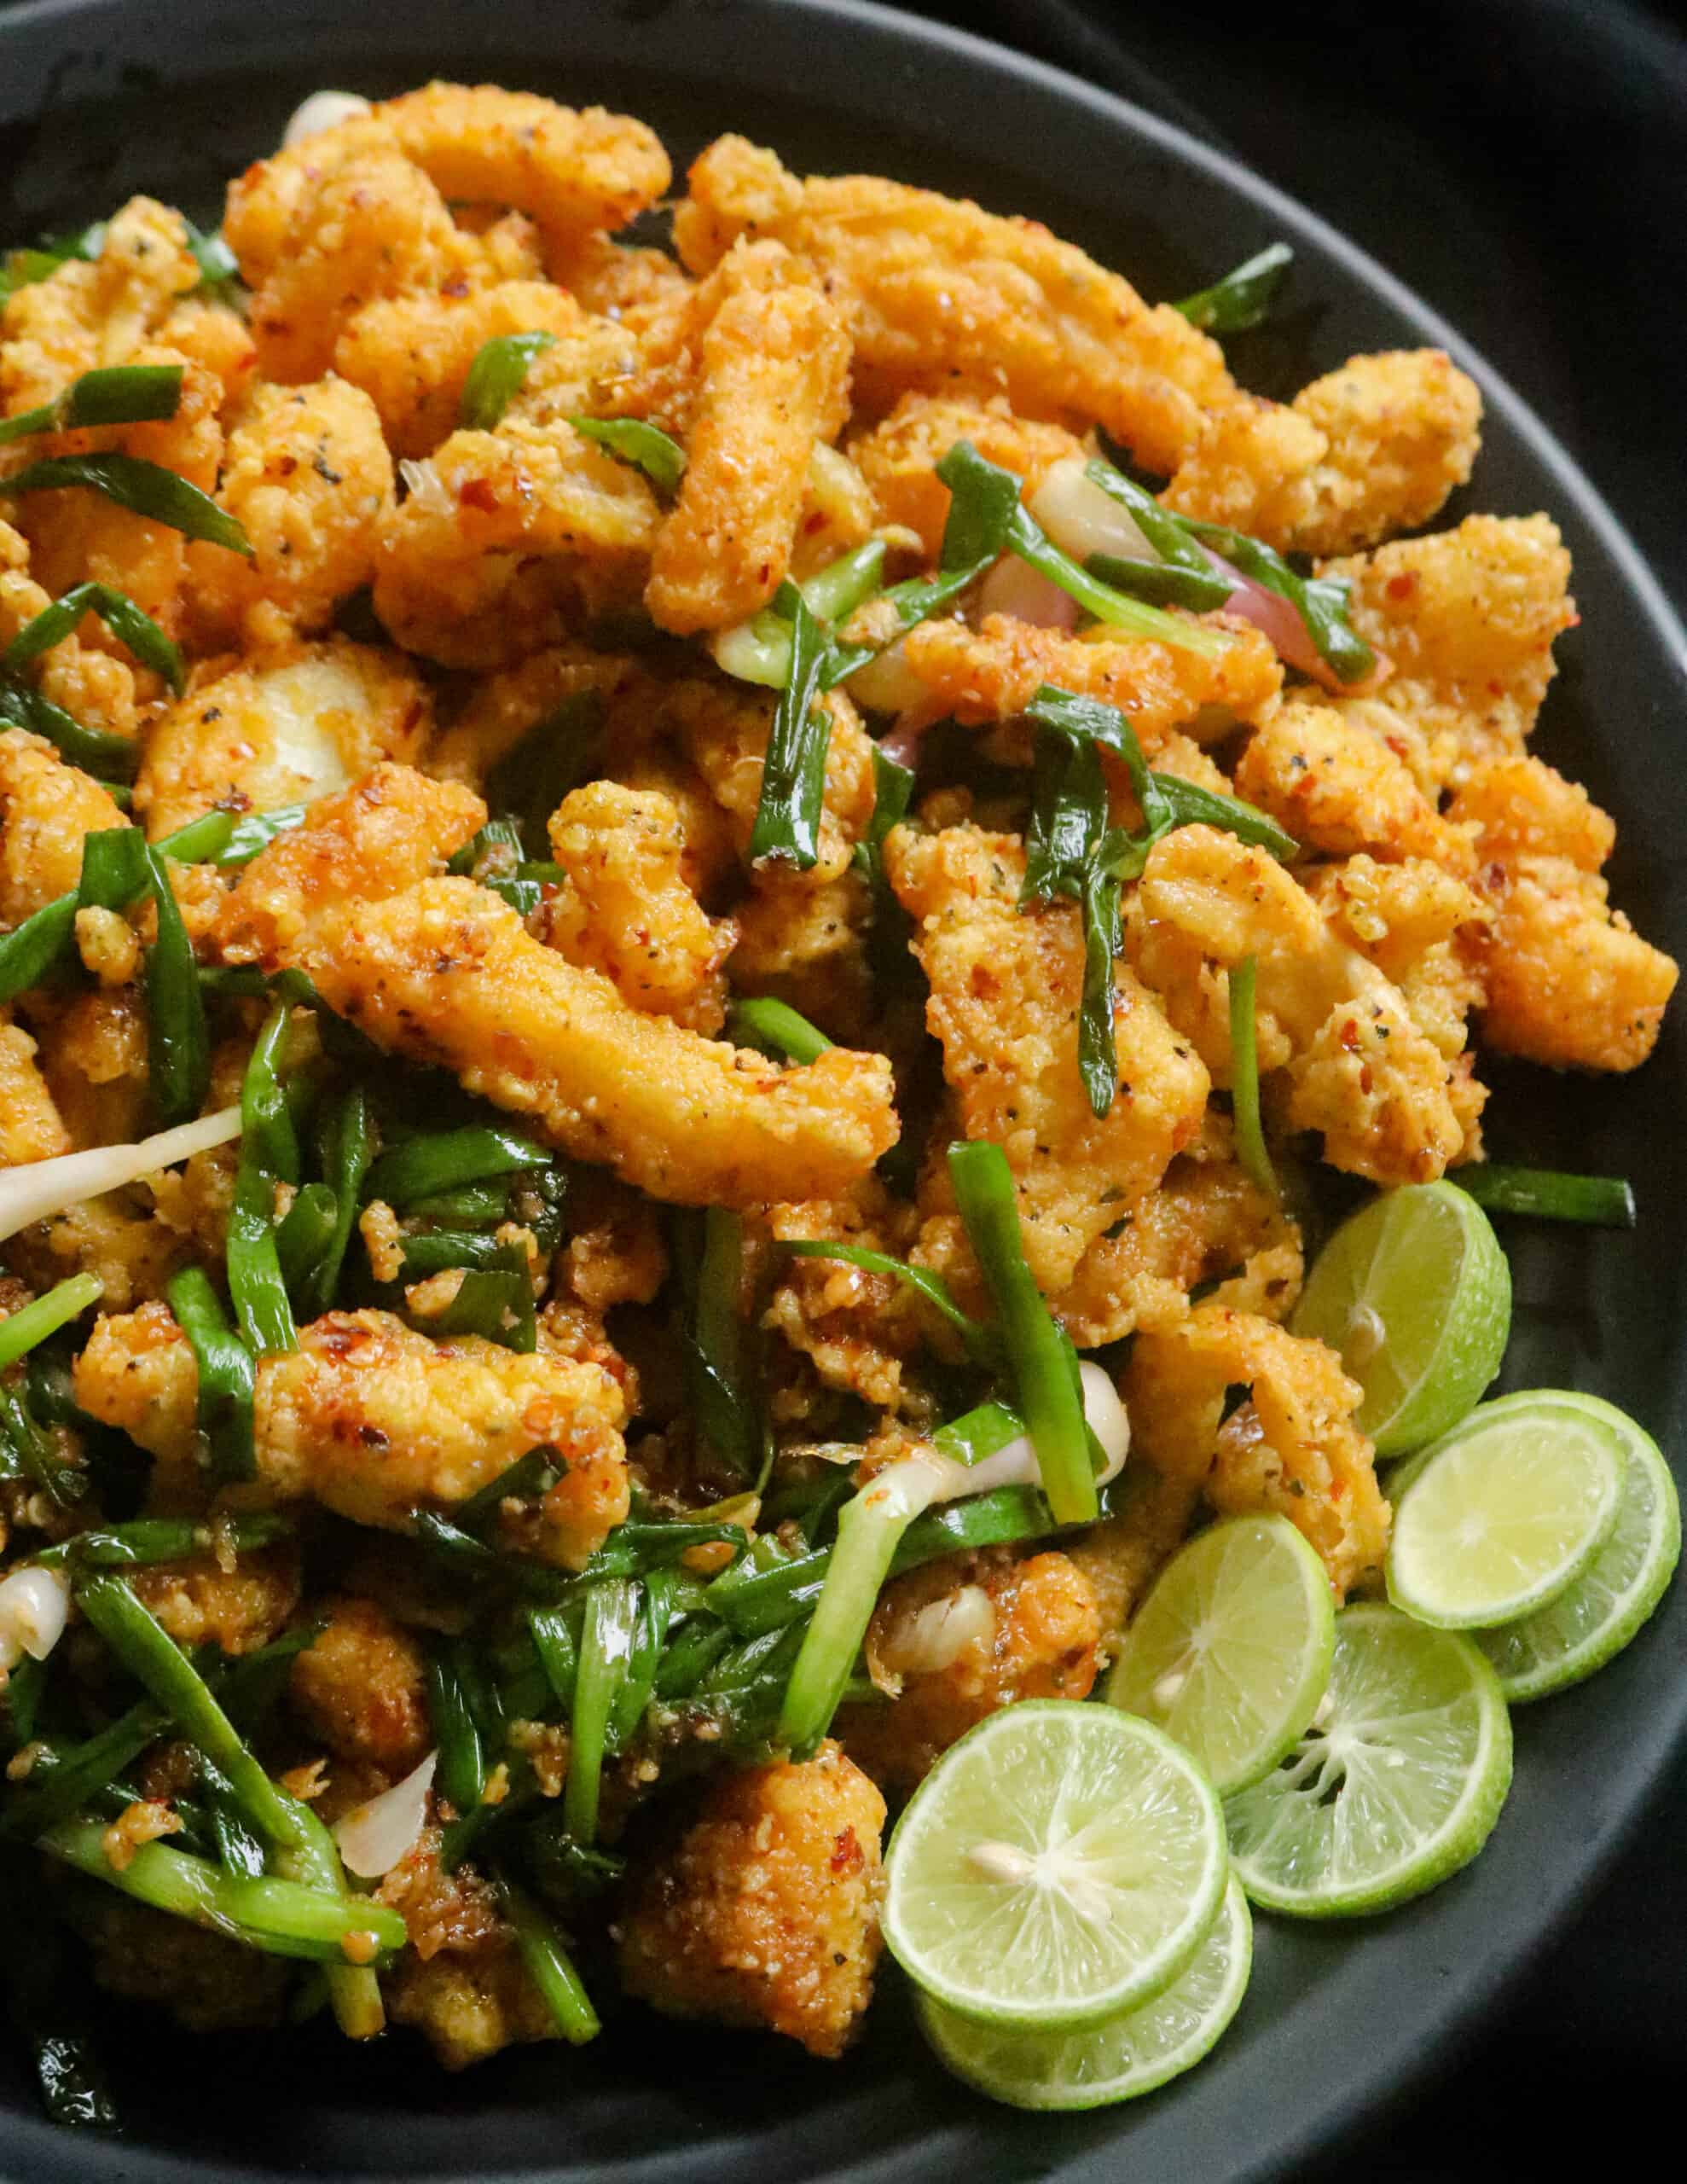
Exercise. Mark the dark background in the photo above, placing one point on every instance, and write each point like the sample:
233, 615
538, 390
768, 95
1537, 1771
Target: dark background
1522, 165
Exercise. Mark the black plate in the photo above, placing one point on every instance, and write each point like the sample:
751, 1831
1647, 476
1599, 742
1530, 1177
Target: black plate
101, 97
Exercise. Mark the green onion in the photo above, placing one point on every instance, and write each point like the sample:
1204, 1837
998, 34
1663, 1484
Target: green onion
150, 1540
559, 1655
282, 1918
462, 1766
531, 779
219, 269
527, 1480
345, 1147
36, 1455
147, 489
981, 1341
549, 1966
121, 394
1321, 602
435, 1250
304, 1235
763, 1592
1244, 1079
1050, 1399
978, 1434
495, 1303
496, 376
34, 1322
1189, 578
249, 833
1001, 1518
714, 1340
786, 829
305, 1850
23, 268
776, 1031
238, 1849
178, 1044
30, 952
422, 1166
632, 440
759, 650
606, 1641
126, 621
112, 759
227, 1377
80, 1774
1598, 1201
268, 1156
1244, 297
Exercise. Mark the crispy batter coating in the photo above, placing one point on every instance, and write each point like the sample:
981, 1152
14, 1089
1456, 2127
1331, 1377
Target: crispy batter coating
389, 829
411, 354
806, 946
286, 728
238, 1609
1122, 1556
899, 456
308, 476
1291, 1447
774, 381
1468, 618
504, 707
1004, 991
203, 1980
46, 809
373, 1420
507, 539
1337, 787
86, 315
1358, 1067
1370, 449
361, 1687
992, 672
858, 1329
1568, 980
957, 1640
943, 290
30, 1126
467, 2008
626, 910
95, 687
449, 973
766, 1912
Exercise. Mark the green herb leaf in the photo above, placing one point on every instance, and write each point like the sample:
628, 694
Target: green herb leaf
227, 1377
787, 823
496, 377
781, 1033
145, 488
1244, 297
131, 624
663, 460
119, 394
23, 268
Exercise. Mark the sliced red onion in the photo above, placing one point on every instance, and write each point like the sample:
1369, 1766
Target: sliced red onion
1271, 614
34, 1605
374, 1836
1014, 588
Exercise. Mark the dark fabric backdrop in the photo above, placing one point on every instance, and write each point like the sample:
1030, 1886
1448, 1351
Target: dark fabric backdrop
1522, 164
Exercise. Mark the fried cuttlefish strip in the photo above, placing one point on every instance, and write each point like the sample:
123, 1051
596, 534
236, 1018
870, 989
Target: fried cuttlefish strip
942, 292
444, 971
374, 1420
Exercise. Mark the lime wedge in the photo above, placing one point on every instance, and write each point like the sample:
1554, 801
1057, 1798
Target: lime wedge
1059, 1864
1505, 1512
1230, 1653
1601, 1611
1415, 1293
1397, 1784
1129, 2054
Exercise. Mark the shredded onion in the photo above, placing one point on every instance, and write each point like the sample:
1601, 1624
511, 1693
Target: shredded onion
321, 110
1082, 519
375, 1836
941, 1632
1013, 587
34, 1604
888, 685
44, 1188
424, 485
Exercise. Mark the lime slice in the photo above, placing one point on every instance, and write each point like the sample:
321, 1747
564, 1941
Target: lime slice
1130, 2054
1230, 1653
1505, 1513
1415, 1293
1601, 1611
1059, 1864
1396, 1785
